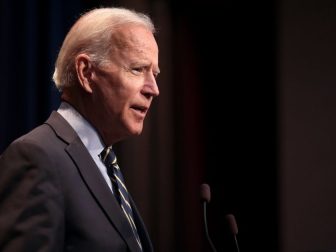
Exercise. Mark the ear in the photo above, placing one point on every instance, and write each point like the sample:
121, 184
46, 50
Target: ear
84, 70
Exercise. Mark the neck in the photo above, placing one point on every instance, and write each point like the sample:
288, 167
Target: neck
84, 104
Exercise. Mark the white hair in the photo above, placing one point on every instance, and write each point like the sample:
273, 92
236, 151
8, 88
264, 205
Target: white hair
92, 34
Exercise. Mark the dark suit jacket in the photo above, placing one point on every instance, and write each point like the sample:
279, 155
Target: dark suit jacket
54, 198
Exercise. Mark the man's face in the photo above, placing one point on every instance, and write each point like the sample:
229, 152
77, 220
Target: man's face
123, 90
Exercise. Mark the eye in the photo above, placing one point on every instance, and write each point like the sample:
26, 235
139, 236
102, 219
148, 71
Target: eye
137, 70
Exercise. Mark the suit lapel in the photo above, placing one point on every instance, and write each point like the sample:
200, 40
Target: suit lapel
93, 178
144, 237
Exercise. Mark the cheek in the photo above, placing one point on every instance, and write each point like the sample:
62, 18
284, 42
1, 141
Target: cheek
126, 94
118, 93
103, 97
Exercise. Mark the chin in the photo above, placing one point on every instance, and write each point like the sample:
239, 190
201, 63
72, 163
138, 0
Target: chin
136, 130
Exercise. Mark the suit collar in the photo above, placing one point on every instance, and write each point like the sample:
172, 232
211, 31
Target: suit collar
84, 129
93, 178
101, 192
61, 127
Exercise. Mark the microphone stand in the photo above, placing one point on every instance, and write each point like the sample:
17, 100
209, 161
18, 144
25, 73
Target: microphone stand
206, 227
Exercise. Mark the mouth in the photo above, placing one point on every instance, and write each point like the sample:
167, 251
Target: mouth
140, 109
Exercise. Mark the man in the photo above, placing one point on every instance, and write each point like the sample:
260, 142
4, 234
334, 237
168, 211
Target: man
60, 190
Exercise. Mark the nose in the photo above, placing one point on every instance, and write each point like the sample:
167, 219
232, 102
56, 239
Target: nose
151, 88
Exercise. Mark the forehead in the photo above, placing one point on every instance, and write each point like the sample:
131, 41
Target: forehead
134, 45
136, 38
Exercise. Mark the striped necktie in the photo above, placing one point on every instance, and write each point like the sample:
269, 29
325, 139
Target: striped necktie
118, 187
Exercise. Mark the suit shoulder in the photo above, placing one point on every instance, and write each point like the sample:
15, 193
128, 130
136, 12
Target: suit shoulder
40, 142
43, 136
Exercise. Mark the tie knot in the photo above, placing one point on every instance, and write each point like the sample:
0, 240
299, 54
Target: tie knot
108, 156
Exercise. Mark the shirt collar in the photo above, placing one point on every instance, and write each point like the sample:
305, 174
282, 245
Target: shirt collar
86, 132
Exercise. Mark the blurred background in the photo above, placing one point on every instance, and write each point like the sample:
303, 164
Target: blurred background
247, 105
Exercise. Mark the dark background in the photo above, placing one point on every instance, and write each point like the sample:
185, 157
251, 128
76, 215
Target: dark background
246, 105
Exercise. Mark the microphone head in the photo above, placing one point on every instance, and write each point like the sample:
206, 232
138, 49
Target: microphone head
205, 193
232, 223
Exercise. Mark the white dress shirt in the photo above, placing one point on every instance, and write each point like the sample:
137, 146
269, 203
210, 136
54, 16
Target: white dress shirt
88, 135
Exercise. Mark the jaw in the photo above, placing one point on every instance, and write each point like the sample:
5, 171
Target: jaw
127, 125
134, 123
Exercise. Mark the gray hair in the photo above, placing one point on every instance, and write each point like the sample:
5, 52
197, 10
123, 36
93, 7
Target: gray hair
92, 34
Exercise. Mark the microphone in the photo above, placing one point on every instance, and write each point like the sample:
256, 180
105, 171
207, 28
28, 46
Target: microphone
233, 228
205, 197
